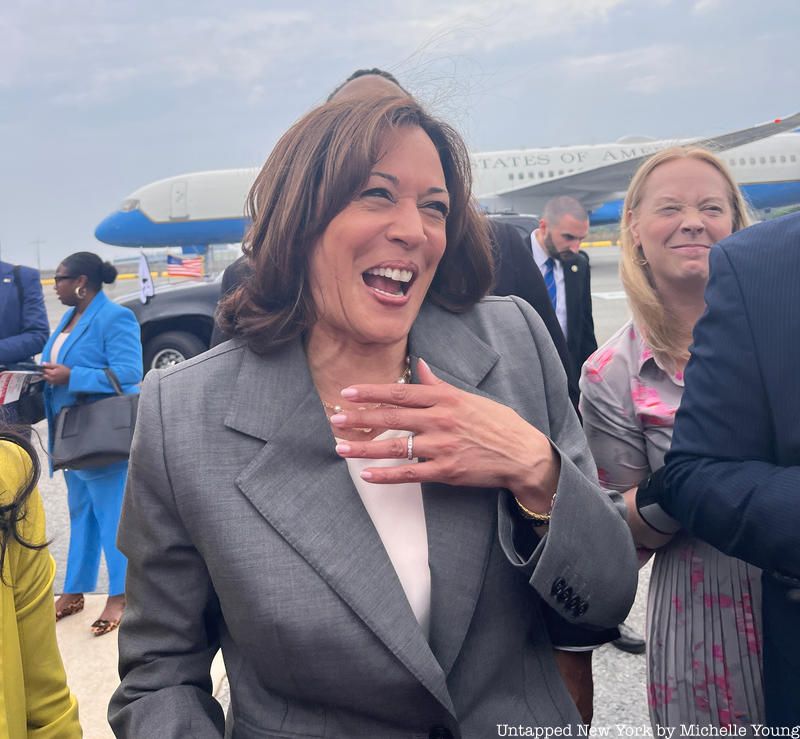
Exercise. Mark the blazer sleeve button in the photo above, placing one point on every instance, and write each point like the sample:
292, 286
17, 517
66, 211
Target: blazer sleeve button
558, 585
564, 594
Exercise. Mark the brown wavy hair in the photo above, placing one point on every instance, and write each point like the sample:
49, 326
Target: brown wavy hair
314, 171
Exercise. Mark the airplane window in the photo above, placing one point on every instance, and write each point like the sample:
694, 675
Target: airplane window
762, 160
793, 158
511, 176
742, 161
783, 159
521, 176
732, 162
541, 175
551, 173
560, 172
752, 160
772, 160
530, 175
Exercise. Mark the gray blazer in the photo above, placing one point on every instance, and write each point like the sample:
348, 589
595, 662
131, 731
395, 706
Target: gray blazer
244, 531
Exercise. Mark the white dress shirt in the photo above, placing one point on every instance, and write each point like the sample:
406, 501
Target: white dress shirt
540, 256
399, 518
58, 342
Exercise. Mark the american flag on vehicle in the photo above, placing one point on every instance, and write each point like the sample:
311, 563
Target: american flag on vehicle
184, 266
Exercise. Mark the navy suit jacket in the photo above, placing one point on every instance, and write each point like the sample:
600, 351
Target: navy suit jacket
581, 341
516, 273
733, 473
23, 328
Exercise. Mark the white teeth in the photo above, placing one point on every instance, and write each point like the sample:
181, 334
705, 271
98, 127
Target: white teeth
398, 275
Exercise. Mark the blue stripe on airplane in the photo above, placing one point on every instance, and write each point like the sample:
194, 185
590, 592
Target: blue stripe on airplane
760, 195
134, 228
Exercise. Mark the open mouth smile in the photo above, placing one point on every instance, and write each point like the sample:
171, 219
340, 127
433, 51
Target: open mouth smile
389, 281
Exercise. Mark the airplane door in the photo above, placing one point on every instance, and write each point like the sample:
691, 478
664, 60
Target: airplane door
179, 203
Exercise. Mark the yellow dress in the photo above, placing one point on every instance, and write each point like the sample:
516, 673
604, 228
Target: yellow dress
34, 698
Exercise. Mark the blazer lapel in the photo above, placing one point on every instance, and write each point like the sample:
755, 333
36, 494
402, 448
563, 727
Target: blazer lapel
303, 488
461, 522
83, 323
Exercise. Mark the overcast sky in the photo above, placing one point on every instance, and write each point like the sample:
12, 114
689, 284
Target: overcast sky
98, 98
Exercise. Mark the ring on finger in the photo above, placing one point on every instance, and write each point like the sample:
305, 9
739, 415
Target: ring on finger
410, 447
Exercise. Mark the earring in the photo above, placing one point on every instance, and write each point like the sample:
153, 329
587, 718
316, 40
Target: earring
641, 261
80, 293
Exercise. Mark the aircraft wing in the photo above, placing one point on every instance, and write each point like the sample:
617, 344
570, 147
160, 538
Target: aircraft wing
601, 184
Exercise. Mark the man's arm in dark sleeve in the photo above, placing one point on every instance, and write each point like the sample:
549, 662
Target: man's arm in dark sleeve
722, 482
34, 328
516, 273
589, 342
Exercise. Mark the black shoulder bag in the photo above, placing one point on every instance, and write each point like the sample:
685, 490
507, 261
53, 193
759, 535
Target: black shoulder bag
95, 433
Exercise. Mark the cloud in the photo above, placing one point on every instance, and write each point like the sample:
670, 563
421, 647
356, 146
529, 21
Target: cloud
702, 7
90, 51
87, 58
647, 70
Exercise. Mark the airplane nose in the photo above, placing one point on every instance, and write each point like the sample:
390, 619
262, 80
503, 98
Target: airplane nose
108, 229
118, 229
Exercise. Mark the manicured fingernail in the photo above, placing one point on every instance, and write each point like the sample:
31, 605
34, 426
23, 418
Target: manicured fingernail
366, 475
349, 392
338, 418
343, 449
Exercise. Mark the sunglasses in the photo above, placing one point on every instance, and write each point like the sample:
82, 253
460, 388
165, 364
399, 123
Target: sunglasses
59, 278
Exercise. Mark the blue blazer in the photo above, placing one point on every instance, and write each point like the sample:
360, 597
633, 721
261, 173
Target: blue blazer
106, 335
733, 472
23, 328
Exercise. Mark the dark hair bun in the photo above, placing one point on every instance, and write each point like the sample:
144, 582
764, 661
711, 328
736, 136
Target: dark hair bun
108, 272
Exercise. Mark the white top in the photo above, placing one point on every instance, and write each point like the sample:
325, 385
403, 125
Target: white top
399, 518
540, 256
58, 342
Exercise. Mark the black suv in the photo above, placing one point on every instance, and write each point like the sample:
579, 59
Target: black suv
177, 322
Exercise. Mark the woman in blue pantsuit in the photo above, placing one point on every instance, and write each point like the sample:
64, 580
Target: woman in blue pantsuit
93, 335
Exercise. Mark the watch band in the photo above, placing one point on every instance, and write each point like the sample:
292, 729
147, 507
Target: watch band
648, 504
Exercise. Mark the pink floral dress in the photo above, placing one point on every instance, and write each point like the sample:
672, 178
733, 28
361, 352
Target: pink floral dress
703, 607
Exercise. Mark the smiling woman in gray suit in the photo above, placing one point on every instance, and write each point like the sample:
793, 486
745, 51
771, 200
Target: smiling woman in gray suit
365, 498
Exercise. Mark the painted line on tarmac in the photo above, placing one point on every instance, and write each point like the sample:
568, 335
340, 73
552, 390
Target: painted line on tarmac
612, 295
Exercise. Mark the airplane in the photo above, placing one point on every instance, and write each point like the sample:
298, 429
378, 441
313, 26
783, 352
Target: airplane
205, 208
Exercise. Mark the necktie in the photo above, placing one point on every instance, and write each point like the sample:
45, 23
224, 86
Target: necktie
550, 281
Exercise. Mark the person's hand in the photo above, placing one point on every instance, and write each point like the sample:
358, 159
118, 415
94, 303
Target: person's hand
644, 536
459, 438
55, 374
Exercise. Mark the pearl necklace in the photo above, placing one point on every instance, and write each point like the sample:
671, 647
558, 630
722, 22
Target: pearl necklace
404, 379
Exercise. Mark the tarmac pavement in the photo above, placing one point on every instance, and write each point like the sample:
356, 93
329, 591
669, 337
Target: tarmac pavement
91, 662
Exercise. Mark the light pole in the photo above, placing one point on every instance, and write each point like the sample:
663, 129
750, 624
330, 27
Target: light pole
37, 242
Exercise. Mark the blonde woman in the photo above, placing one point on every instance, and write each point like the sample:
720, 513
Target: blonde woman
704, 645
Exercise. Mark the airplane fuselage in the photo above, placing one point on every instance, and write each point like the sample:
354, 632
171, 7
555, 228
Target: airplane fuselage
773, 161
208, 207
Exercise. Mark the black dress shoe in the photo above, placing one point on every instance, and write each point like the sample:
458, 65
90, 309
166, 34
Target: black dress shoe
629, 640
